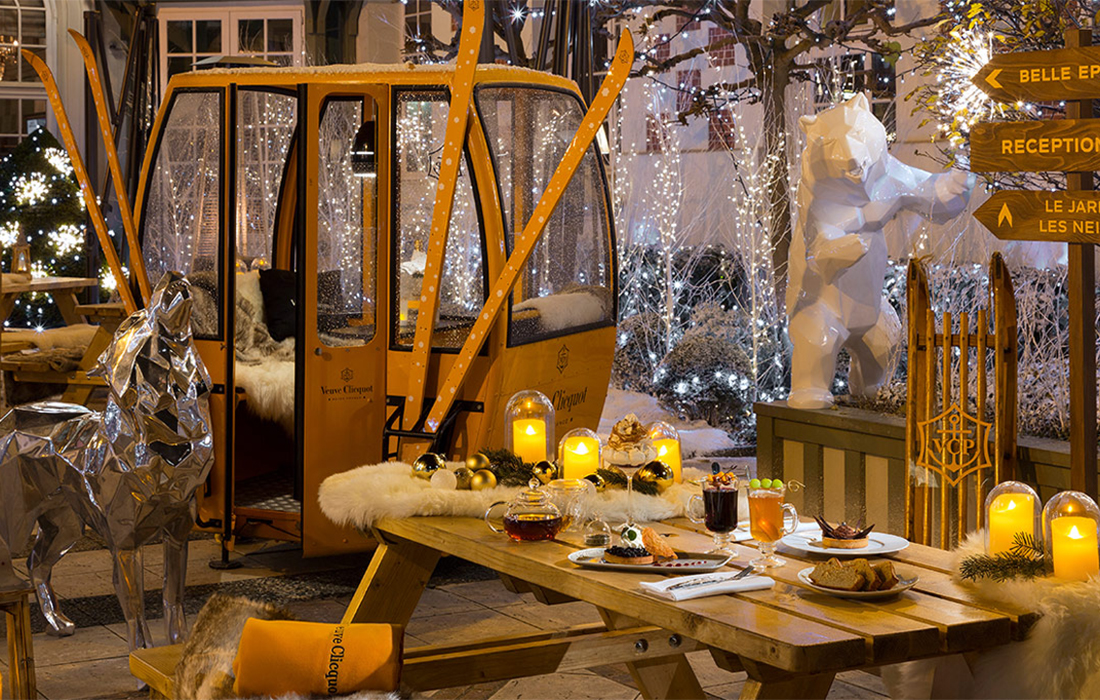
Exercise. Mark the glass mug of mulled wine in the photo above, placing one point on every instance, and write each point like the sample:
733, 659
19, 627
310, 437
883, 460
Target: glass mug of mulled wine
770, 520
718, 504
529, 517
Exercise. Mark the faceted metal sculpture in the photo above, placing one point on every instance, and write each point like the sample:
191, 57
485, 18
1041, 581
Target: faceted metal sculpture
850, 188
130, 473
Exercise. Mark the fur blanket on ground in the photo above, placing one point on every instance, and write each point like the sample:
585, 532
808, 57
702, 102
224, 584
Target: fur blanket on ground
205, 669
1060, 658
365, 495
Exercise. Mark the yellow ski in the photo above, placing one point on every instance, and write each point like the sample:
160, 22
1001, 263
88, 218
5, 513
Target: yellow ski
469, 45
525, 243
137, 263
94, 212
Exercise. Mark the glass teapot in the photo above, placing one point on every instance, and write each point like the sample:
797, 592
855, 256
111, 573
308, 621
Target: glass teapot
529, 517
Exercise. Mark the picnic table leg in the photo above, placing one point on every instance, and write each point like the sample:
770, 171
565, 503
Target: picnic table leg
668, 677
768, 683
393, 583
80, 393
66, 303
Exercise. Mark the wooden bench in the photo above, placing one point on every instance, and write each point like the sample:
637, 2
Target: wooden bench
20, 648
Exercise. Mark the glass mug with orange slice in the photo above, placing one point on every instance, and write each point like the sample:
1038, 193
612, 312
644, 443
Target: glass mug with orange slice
768, 519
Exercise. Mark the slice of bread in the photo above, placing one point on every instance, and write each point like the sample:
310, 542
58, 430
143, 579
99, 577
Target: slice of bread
888, 578
833, 574
863, 568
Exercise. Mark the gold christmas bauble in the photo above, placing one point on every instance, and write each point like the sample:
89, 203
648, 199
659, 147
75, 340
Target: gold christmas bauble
477, 462
464, 475
483, 479
597, 481
657, 473
426, 464
545, 471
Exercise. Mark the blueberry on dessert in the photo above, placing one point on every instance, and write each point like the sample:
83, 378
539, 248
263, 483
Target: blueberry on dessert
627, 555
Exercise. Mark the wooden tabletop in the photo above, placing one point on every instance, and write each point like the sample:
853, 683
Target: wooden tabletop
789, 627
45, 284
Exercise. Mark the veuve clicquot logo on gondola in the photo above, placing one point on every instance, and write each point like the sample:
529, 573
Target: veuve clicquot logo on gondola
347, 391
565, 401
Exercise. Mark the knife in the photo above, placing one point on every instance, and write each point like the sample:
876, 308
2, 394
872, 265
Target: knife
722, 578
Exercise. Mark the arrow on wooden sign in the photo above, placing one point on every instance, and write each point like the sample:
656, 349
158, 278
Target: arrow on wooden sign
1066, 144
1069, 217
1042, 76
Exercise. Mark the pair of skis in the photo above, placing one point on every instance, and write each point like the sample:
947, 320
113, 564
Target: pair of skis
99, 223
461, 89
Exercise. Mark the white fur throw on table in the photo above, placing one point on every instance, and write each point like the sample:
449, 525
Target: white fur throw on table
365, 495
1060, 658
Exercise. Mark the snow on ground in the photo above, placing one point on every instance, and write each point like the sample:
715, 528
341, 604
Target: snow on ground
697, 438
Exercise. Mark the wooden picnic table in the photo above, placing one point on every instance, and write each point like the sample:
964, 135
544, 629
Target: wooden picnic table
790, 640
62, 289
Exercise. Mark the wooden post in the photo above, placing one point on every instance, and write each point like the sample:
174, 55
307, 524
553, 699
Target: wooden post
1082, 322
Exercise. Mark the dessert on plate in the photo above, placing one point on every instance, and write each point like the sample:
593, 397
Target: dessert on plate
842, 536
627, 555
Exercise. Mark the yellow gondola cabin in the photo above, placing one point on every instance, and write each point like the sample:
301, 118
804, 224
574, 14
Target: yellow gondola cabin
299, 202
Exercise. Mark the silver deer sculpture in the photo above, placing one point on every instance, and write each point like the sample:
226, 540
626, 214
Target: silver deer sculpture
130, 473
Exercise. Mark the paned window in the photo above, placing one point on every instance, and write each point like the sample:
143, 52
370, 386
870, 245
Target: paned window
566, 284
22, 98
421, 119
190, 34
418, 24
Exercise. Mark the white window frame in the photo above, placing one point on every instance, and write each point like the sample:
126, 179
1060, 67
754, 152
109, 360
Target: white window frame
230, 31
27, 89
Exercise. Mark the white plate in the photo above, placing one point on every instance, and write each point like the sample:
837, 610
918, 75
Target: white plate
901, 585
878, 544
688, 562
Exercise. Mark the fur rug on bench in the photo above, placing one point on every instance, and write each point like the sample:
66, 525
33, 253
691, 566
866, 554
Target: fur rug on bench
365, 495
1059, 658
205, 670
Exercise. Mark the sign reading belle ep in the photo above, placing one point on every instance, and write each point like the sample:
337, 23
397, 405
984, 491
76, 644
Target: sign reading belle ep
1042, 76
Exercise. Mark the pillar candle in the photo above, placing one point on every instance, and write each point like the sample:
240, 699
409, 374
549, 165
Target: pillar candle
668, 451
1074, 548
580, 457
529, 439
1010, 513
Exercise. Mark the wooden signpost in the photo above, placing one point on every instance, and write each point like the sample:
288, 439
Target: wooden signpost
1067, 217
1071, 74
1035, 147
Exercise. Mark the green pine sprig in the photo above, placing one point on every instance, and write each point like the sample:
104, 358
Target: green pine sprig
1024, 560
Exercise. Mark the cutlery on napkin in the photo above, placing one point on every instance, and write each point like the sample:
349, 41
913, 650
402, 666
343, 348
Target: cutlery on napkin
701, 585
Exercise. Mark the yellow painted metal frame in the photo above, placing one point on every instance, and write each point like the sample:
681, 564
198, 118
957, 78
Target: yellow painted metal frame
489, 377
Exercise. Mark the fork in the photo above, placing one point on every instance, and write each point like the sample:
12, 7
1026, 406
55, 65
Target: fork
712, 579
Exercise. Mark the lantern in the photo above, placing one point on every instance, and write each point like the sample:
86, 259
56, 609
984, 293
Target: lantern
579, 453
666, 440
1071, 522
1010, 508
529, 426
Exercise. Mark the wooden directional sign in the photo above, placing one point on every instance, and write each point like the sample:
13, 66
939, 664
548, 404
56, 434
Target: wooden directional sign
1069, 217
1042, 76
1071, 145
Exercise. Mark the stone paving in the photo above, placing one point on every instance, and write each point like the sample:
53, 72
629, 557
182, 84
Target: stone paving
93, 662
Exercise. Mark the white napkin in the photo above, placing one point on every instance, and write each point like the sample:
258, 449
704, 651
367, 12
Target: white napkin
674, 588
741, 534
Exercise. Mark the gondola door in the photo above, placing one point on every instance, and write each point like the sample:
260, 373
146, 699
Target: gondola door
340, 381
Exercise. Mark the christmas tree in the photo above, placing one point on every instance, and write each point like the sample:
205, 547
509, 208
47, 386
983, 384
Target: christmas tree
39, 197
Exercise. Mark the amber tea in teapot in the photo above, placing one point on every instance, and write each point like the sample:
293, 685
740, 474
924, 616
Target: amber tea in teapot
529, 518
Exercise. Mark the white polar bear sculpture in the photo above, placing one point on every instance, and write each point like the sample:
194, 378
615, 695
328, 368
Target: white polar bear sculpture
850, 187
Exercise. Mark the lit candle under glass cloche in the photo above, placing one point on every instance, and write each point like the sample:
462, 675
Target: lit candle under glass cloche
579, 453
529, 426
1010, 508
666, 440
1071, 523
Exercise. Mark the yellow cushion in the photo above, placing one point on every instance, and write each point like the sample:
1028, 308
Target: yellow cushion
276, 657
